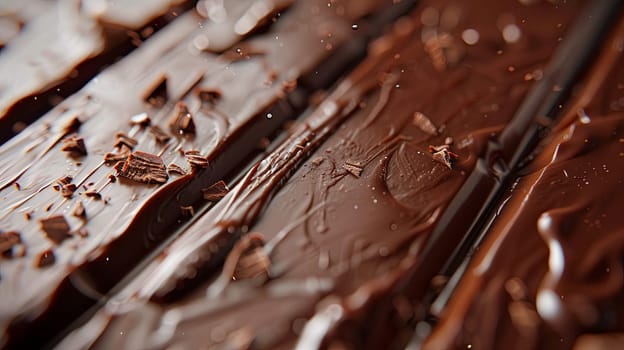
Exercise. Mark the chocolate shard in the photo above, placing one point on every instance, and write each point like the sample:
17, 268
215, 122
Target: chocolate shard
46, 258
443, 155
112, 158
75, 146
159, 134
181, 123
79, 211
425, 124
173, 168
143, 167
216, 191
64, 180
208, 98
8, 240
141, 119
353, 167
55, 228
195, 159
158, 95
123, 140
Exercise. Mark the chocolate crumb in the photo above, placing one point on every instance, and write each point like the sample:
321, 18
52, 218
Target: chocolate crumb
8, 241
143, 167
49, 207
112, 158
28, 215
75, 146
353, 167
79, 211
215, 191
141, 119
112, 178
443, 155
159, 134
158, 95
68, 190
175, 169
195, 159
208, 98
122, 139
17, 186
71, 126
241, 52
187, 211
181, 122
55, 228
424, 124
46, 258
93, 194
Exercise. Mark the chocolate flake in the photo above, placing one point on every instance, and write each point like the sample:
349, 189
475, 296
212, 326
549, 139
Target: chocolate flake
141, 119
122, 139
55, 228
143, 167
196, 159
160, 135
113, 158
216, 191
49, 207
425, 124
158, 95
208, 98
8, 241
443, 155
181, 122
68, 190
79, 210
175, 169
17, 186
46, 258
353, 167
75, 146
187, 211
71, 126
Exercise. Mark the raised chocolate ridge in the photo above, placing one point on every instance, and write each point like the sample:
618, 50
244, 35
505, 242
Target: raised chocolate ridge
562, 219
345, 204
205, 114
52, 48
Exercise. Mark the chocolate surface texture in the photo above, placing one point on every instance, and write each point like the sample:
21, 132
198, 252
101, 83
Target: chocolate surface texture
124, 161
343, 207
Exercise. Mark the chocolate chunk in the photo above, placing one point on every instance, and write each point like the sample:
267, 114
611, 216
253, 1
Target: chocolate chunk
158, 95
195, 159
353, 167
8, 240
64, 180
143, 167
68, 190
175, 169
79, 211
123, 140
160, 135
17, 186
75, 146
208, 98
425, 124
141, 119
216, 191
113, 158
181, 123
46, 258
55, 228
443, 155
93, 194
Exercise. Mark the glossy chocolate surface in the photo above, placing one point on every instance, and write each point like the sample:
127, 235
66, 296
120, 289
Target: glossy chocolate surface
343, 206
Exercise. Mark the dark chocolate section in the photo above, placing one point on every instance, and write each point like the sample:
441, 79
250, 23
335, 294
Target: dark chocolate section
343, 207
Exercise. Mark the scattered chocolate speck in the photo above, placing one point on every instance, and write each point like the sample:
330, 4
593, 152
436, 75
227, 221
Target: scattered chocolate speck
175, 169
75, 146
8, 240
122, 139
195, 159
79, 211
141, 119
157, 96
143, 167
55, 228
215, 191
425, 124
112, 158
159, 134
181, 123
187, 211
353, 167
443, 155
93, 194
208, 98
46, 258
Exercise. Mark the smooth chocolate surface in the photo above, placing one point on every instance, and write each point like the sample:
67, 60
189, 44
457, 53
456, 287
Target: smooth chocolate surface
549, 274
124, 161
340, 209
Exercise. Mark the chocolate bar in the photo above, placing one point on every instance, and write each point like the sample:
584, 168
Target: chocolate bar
346, 203
548, 273
52, 48
111, 172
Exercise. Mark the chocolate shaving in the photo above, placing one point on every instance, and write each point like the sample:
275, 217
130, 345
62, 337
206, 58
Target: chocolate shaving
424, 124
143, 167
216, 191
46, 258
353, 167
158, 95
242, 52
181, 122
175, 169
79, 211
195, 159
187, 211
121, 140
112, 158
55, 228
208, 98
9, 240
140, 119
160, 135
75, 146
17, 186
443, 155
68, 190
